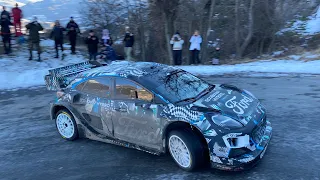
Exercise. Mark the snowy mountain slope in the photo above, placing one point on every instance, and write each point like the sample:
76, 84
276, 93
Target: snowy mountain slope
52, 10
11, 3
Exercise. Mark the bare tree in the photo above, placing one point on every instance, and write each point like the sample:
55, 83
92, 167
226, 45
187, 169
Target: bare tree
241, 47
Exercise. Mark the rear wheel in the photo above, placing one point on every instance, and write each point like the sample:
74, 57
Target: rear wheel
66, 125
185, 149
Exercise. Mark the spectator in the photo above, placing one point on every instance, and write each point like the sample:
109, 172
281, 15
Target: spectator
216, 57
57, 35
73, 31
106, 39
128, 41
17, 15
5, 33
177, 43
34, 37
107, 53
195, 41
92, 41
4, 12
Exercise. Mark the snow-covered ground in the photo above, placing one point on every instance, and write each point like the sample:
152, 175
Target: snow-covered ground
265, 66
17, 72
305, 27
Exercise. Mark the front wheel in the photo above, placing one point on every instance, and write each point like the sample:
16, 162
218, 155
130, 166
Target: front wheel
66, 125
185, 149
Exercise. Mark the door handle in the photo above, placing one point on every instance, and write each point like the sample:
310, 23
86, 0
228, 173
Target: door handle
121, 109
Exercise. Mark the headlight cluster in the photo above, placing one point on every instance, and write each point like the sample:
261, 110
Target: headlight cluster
226, 122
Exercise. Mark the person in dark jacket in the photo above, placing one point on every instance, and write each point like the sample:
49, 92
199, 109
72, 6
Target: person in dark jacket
5, 33
128, 42
57, 36
34, 37
17, 15
216, 56
107, 52
92, 41
5, 12
73, 31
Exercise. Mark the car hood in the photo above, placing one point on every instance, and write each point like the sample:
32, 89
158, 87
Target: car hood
232, 102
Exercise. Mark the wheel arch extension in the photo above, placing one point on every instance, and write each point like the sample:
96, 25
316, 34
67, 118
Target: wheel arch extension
179, 125
56, 108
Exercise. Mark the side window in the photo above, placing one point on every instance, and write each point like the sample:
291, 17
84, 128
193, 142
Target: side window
80, 86
98, 86
126, 89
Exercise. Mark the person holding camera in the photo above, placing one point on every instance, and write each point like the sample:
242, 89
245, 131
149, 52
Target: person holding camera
34, 37
195, 47
92, 41
177, 44
57, 36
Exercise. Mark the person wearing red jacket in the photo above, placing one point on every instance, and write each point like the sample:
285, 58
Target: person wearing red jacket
17, 15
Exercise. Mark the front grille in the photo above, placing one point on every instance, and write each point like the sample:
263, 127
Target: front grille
237, 152
259, 131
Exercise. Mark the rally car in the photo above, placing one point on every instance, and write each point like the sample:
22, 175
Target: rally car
158, 108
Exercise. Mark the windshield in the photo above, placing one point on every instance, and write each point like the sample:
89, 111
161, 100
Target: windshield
180, 85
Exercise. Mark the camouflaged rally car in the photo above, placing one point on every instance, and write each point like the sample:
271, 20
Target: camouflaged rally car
158, 108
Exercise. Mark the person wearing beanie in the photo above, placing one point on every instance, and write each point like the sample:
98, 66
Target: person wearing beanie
73, 30
34, 37
92, 42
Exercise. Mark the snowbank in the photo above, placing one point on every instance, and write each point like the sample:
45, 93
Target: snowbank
279, 66
18, 72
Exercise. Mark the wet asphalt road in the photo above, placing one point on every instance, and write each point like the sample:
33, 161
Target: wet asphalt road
30, 147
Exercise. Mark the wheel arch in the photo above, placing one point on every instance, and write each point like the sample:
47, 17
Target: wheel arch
178, 125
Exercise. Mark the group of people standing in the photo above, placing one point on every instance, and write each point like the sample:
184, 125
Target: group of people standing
57, 34
92, 41
5, 23
195, 47
107, 52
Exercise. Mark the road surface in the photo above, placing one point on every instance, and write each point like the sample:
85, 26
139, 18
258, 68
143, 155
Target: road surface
30, 147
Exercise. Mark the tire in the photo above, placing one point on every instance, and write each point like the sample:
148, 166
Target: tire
66, 125
184, 144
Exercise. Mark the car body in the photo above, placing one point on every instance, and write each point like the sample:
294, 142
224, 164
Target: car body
152, 107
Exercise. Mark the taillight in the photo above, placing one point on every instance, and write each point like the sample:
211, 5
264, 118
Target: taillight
60, 94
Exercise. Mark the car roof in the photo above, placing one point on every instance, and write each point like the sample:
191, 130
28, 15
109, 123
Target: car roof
129, 69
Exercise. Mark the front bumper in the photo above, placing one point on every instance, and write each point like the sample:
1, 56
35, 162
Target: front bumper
245, 161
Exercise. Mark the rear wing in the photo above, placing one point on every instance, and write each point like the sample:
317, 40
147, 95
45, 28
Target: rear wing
60, 78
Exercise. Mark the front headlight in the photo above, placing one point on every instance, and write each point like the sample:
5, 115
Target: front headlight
226, 122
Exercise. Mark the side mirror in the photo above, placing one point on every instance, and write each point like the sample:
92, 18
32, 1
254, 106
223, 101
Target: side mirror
158, 100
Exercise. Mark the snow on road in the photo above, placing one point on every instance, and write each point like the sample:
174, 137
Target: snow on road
17, 72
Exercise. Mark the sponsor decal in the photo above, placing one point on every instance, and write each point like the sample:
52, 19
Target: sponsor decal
239, 106
215, 96
221, 151
211, 132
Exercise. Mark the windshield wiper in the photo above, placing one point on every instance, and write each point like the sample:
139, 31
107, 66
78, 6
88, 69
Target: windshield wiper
193, 99
206, 91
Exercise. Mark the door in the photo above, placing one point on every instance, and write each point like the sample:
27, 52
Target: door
135, 117
95, 94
